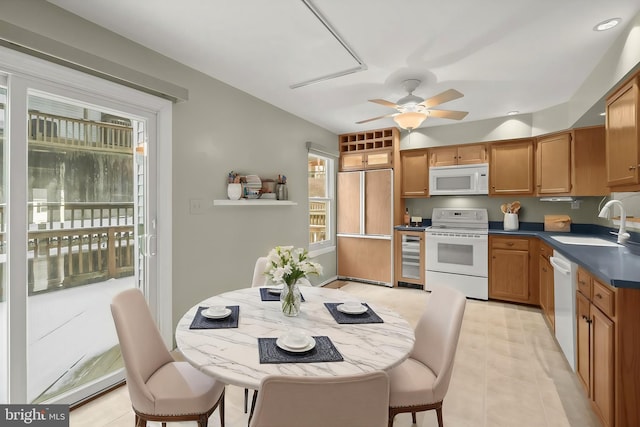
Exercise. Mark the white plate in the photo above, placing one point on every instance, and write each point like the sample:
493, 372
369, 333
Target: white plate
274, 290
362, 309
280, 343
225, 313
254, 182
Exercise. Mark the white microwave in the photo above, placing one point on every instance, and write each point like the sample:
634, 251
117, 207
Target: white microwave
458, 180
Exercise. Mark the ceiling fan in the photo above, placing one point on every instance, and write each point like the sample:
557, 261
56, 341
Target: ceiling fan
413, 110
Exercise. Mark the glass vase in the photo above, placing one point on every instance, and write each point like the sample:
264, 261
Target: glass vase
290, 299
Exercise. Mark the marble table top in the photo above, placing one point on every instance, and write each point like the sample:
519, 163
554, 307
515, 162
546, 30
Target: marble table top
231, 355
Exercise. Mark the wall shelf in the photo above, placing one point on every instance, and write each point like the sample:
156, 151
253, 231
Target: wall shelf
253, 202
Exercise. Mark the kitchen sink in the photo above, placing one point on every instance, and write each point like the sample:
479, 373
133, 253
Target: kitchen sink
584, 240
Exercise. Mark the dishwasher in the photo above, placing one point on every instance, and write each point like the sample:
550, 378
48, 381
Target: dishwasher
564, 291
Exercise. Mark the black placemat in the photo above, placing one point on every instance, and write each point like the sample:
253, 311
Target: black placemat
201, 322
368, 316
265, 295
324, 351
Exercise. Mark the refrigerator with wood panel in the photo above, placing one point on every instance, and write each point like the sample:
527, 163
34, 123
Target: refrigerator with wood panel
365, 226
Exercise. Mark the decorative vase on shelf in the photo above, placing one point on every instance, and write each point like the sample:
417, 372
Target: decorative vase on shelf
290, 299
234, 191
281, 192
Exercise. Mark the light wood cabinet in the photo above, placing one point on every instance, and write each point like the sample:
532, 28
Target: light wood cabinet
368, 150
510, 269
363, 258
553, 164
589, 168
467, 154
364, 225
623, 137
511, 168
547, 295
415, 173
583, 341
409, 257
602, 365
572, 163
596, 341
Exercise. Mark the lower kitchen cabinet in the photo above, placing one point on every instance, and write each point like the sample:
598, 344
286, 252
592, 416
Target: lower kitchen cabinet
511, 270
596, 343
607, 349
547, 296
409, 250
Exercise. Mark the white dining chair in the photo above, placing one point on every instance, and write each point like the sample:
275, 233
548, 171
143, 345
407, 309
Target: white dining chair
346, 401
259, 278
161, 389
420, 383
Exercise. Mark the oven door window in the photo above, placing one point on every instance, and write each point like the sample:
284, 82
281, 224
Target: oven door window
452, 254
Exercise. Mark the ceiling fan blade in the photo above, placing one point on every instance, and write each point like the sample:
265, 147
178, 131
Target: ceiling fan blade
384, 102
447, 114
446, 96
376, 118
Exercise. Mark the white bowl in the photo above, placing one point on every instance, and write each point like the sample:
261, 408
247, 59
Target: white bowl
296, 339
352, 305
217, 310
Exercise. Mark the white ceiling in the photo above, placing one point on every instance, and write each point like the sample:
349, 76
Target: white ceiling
503, 55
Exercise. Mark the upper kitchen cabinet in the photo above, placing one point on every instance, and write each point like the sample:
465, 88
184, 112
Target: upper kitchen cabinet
511, 168
553, 164
368, 150
571, 163
414, 173
458, 155
623, 137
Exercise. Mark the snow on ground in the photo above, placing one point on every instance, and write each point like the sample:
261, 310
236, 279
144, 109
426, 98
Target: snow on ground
65, 329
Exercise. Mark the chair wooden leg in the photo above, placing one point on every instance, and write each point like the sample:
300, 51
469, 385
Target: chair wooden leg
253, 405
246, 399
413, 417
140, 422
221, 409
391, 417
439, 414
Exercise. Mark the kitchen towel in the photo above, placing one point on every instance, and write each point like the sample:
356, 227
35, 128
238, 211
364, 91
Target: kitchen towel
368, 316
265, 295
201, 322
324, 351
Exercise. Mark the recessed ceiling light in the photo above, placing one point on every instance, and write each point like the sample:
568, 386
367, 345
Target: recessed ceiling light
606, 25
512, 113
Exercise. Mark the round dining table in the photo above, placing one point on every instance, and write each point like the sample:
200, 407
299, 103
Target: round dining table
231, 355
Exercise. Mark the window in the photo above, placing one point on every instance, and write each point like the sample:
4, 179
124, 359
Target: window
321, 199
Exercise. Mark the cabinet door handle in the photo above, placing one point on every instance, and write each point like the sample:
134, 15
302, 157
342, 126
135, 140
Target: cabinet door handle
509, 243
585, 318
631, 168
599, 296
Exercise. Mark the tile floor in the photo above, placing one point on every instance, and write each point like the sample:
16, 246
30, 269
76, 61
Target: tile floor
509, 372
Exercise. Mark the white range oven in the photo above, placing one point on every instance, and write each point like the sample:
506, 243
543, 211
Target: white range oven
456, 251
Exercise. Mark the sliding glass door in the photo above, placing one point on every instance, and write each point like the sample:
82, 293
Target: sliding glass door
4, 329
80, 229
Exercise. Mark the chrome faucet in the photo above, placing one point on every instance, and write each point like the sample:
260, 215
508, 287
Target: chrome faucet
605, 212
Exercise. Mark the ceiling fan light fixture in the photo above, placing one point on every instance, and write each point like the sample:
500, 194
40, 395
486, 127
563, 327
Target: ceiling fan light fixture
409, 120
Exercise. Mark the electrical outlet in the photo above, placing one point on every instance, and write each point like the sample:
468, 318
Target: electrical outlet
196, 206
